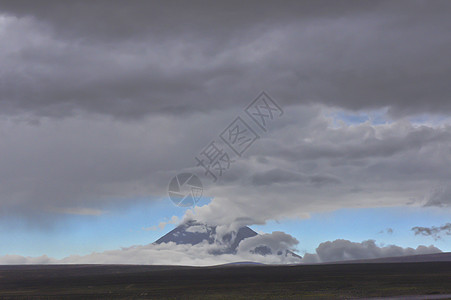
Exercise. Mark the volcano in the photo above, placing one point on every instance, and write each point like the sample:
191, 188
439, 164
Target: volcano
193, 232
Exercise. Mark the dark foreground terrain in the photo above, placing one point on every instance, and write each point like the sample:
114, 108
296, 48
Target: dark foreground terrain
236, 281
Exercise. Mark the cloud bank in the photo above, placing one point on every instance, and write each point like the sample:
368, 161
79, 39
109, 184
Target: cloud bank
201, 254
340, 250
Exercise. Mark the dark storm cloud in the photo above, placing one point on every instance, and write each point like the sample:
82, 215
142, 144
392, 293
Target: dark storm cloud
440, 196
275, 176
102, 101
435, 232
129, 59
115, 20
363, 142
82, 165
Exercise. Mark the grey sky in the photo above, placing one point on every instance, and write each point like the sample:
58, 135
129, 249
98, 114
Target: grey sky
144, 57
102, 102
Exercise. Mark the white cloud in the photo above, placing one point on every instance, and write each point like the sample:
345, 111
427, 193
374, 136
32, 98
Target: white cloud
171, 254
162, 225
201, 254
197, 228
340, 250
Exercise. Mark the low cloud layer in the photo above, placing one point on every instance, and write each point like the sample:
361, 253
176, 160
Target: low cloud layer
340, 250
201, 254
170, 253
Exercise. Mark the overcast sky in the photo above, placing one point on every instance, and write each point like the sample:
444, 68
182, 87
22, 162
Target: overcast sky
103, 102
